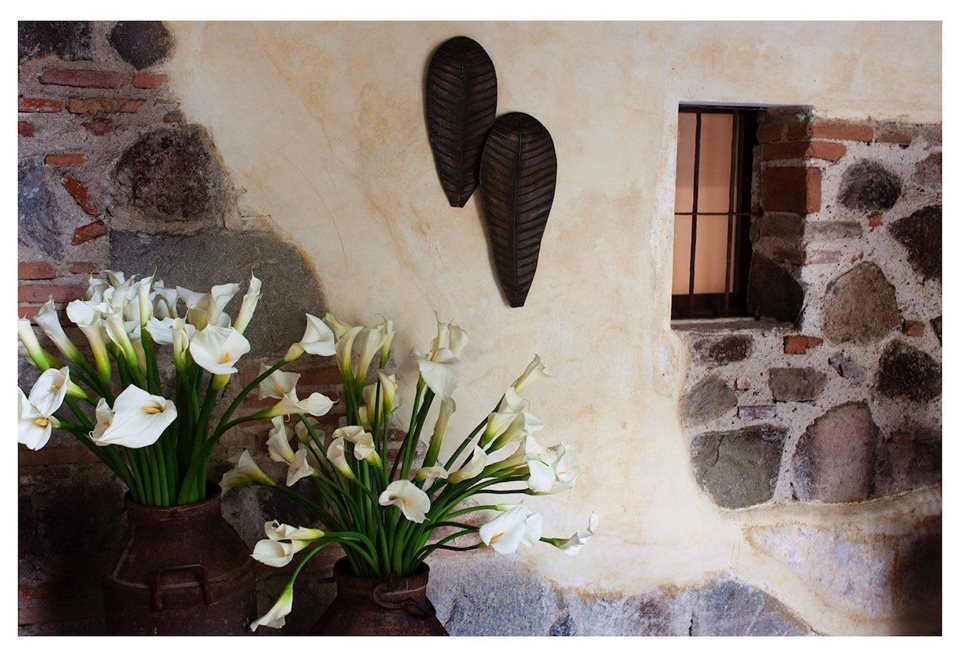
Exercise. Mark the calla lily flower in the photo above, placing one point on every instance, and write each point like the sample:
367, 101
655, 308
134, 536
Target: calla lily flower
104, 419
371, 346
344, 350
447, 408
572, 545
164, 301
29, 340
206, 309
303, 435
549, 472
440, 368
89, 318
304, 465
276, 617
388, 332
246, 473
337, 456
278, 443
275, 553
317, 339
35, 419
278, 384
139, 419
217, 349
315, 404
249, 304
535, 371
145, 305
48, 320
412, 502
95, 288
363, 447
339, 328
470, 469
511, 529
162, 330
371, 413
431, 472
277, 531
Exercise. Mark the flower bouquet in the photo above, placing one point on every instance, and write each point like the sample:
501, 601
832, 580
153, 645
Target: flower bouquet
388, 517
150, 414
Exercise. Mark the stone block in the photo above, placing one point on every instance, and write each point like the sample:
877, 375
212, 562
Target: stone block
708, 399
773, 291
38, 212
724, 349
908, 373
860, 306
833, 461
869, 186
796, 383
738, 468
913, 460
921, 235
848, 368
141, 43
68, 40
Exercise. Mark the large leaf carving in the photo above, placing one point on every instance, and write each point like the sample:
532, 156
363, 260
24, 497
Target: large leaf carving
461, 104
518, 178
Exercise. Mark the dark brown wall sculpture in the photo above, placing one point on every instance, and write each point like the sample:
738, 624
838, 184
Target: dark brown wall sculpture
461, 104
518, 177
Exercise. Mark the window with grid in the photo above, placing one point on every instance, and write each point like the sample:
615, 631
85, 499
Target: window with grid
711, 245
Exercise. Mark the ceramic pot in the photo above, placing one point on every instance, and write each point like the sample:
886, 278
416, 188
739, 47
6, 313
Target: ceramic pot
179, 570
372, 607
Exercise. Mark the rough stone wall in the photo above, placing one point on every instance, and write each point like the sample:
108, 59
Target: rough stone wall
834, 393
113, 176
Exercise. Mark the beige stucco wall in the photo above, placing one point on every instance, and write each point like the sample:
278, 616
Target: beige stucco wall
323, 127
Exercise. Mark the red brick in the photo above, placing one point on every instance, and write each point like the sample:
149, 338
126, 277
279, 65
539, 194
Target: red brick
798, 344
769, 132
68, 77
99, 127
146, 80
789, 254
41, 292
764, 412
791, 189
173, 116
39, 105
875, 220
798, 130
79, 193
821, 258
28, 311
804, 150
104, 105
89, 232
25, 129
84, 267
891, 134
842, 130
35, 271
912, 328
65, 159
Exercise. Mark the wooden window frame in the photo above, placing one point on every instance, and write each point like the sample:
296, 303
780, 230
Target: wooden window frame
731, 302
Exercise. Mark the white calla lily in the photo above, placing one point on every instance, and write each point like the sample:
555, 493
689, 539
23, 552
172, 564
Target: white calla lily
304, 465
164, 301
363, 446
246, 473
278, 531
412, 502
278, 442
535, 371
344, 351
303, 434
278, 384
571, 546
49, 322
139, 419
89, 319
275, 553
316, 404
431, 472
145, 302
249, 304
371, 347
217, 349
317, 340
336, 454
440, 368
104, 416
339, 328
30, 343
549, 472
162, 330
388, 331
206, 308
35, 414
470, 469
508, 531
276, 617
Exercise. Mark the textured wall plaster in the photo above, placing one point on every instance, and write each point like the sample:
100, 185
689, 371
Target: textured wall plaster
322, 125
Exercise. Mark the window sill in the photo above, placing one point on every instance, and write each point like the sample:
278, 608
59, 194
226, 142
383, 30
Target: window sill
726, 324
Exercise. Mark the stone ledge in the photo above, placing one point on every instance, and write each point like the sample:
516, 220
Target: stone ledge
725, 324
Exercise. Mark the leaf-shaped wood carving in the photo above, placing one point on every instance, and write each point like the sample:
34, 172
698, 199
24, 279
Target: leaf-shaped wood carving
461, 104
518, 177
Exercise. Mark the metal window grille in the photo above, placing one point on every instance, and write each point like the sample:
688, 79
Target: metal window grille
732, 301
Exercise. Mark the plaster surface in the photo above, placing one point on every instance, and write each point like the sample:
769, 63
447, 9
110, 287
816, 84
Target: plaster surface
322, 125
